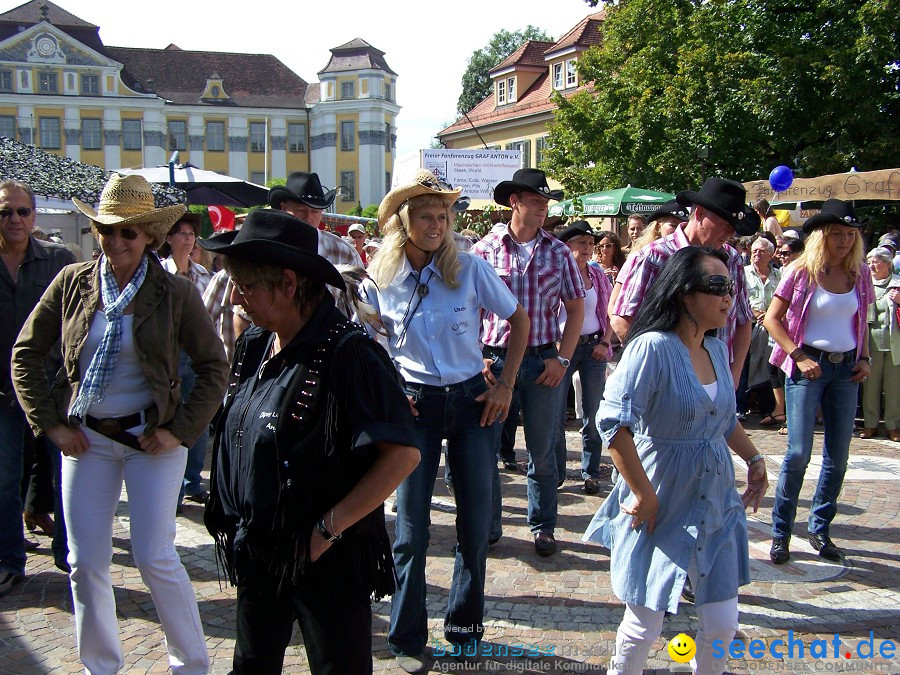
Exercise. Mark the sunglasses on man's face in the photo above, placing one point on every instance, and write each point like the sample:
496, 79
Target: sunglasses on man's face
715, 284
126, 232
23, 211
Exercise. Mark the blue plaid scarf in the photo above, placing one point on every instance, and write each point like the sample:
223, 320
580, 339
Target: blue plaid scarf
99, 373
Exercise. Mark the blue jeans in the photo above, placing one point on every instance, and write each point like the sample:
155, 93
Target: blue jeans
451, 413
196, 456
837, 396
539, 405
12, 447
593, 382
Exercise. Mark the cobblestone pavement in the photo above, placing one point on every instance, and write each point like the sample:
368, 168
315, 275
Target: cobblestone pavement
562, 604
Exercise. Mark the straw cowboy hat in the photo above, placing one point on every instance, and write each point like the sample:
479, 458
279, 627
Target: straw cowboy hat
422, 183
128, 200
273, 237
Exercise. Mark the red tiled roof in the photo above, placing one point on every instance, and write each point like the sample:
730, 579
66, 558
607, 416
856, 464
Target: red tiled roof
529, 54
586, 33
356, 55
254, 80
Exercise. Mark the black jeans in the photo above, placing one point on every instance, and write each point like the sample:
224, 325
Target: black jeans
336, 627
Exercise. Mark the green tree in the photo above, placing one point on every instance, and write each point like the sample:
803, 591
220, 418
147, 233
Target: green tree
476, 81
371, 211
756, 83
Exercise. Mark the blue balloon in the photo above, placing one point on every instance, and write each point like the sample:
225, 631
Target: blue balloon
781, 178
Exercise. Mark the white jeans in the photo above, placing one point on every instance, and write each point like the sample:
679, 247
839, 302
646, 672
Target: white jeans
91, 487
641, 626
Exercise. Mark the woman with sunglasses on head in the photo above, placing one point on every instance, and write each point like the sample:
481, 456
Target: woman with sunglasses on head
669, 417
430, 299
818, 319
115, 411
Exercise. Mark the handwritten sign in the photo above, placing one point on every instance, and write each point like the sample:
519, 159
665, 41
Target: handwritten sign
878, 185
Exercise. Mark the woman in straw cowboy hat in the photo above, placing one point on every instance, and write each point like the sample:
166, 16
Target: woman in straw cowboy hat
315, 433
116, 412
430, 300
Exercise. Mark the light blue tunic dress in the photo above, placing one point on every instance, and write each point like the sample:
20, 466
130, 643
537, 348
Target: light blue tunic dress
679, 433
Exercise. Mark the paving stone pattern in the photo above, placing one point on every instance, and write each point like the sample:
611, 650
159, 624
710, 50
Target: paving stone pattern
554, 614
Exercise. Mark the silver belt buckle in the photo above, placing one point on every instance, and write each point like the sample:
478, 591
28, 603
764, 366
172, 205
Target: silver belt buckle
108, 426
835, 357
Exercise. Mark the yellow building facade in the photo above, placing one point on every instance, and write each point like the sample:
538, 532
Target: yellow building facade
245, 115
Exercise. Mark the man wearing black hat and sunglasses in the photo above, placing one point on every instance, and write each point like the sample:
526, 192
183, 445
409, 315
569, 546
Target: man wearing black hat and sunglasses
719, 211
541, 272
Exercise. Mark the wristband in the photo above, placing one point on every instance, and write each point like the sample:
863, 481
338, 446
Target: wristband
797, 354
330, 538
604, 343
867, 359
504, 383
757, 457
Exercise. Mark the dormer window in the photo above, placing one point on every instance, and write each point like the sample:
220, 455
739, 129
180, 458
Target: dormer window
506, 90
570, 73
557, 76
511, 89
501, 92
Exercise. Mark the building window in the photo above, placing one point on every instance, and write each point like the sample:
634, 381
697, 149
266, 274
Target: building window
257, 137
348, 182
215, 136
8, 126
388, 91
347, 90
131, 135
297, 137
387, 136
48, 83
511, 89
49, 132
348, 135
177, 135
258, 177
90, 134
90, 85
6, 80
570, 73
387, 182
501, 92
557, 76
539, 149
525, 147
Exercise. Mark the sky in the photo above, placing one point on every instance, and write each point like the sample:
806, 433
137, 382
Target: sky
426, 43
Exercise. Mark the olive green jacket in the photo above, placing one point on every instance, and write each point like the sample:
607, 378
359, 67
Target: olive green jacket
168, 315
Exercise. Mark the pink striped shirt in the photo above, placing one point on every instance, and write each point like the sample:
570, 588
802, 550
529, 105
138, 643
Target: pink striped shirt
604, 289
540, 283
639, 274
797, 289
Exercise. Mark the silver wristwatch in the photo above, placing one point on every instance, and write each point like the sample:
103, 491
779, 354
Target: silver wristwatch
564, 361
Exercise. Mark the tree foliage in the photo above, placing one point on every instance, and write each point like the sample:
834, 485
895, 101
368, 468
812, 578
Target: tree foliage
476, 81
813, 84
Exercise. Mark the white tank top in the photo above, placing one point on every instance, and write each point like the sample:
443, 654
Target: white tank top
711, 389
591, 323
829, 321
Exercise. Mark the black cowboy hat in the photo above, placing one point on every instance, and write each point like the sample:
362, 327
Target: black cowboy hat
301, 187
525, 180
577, 229
834, 212
670, 208
726, 198
272, 237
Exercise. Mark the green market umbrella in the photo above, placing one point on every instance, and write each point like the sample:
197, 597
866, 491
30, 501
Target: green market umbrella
621, 202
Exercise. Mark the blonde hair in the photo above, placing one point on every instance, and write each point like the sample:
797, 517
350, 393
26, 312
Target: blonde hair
386, 261
814, 258
650, 234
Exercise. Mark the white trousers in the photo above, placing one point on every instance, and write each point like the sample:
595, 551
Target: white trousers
91, 487
641, 626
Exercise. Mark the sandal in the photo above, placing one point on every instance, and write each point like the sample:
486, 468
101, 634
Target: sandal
771, 420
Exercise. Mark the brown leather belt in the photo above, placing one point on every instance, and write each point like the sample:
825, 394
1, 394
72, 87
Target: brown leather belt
114, 427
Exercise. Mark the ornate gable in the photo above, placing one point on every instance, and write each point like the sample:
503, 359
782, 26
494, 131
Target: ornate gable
45, 44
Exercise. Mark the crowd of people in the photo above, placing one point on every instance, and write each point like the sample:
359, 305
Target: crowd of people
331, 373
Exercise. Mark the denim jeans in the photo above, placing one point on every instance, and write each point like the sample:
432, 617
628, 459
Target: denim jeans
451, 413
593, 382
837, 395
196, 456
539, 416
12, 447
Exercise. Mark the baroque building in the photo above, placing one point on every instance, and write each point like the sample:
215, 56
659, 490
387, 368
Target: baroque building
245, 115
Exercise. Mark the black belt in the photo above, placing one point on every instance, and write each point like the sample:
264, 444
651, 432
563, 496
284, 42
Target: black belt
832, 357
529, 351
590, 339
114, 427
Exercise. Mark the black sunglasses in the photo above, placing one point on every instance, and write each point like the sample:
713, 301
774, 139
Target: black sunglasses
715, 284
23, 211
126, 232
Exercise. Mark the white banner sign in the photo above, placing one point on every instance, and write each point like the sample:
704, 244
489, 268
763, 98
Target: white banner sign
475, 171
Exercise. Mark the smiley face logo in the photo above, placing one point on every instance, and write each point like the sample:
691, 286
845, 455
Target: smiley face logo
682, 648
